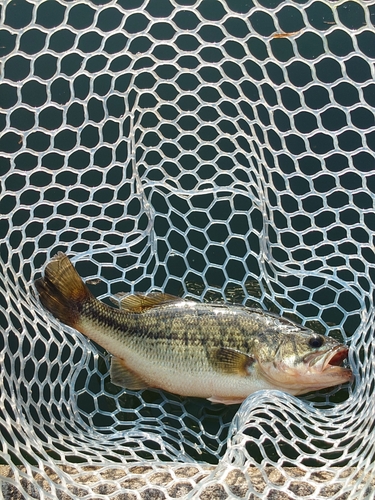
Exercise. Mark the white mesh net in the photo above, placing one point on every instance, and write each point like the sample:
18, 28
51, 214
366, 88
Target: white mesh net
218, 149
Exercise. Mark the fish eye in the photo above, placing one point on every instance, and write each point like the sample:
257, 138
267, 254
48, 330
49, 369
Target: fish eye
316, 342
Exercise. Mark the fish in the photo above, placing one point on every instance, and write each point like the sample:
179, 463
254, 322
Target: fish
219, 352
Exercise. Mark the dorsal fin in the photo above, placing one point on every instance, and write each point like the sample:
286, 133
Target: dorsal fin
138, 302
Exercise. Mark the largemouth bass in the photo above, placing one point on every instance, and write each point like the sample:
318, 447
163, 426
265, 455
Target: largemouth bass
219, 352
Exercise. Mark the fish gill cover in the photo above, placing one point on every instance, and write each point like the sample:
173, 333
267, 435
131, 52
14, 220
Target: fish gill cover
217, 150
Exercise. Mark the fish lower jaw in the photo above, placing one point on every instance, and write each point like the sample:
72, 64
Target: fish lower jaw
305, 378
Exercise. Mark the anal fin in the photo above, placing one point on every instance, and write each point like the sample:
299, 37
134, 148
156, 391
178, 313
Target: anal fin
122, 376
225, 401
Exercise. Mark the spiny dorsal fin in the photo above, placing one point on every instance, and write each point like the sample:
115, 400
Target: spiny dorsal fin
138, 302
122, 376
230, 361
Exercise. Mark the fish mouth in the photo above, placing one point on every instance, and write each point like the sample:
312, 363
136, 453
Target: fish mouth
329, 360
336, 357
313, 372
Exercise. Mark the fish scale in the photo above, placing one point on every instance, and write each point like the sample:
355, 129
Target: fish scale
219, 352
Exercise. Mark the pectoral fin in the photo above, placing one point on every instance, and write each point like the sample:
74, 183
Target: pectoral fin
122, 376
230, 361
138, 302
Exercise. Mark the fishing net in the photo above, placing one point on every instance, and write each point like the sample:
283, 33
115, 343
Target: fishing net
221, 150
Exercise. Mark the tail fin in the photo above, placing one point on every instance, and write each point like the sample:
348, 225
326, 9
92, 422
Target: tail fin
62, 290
